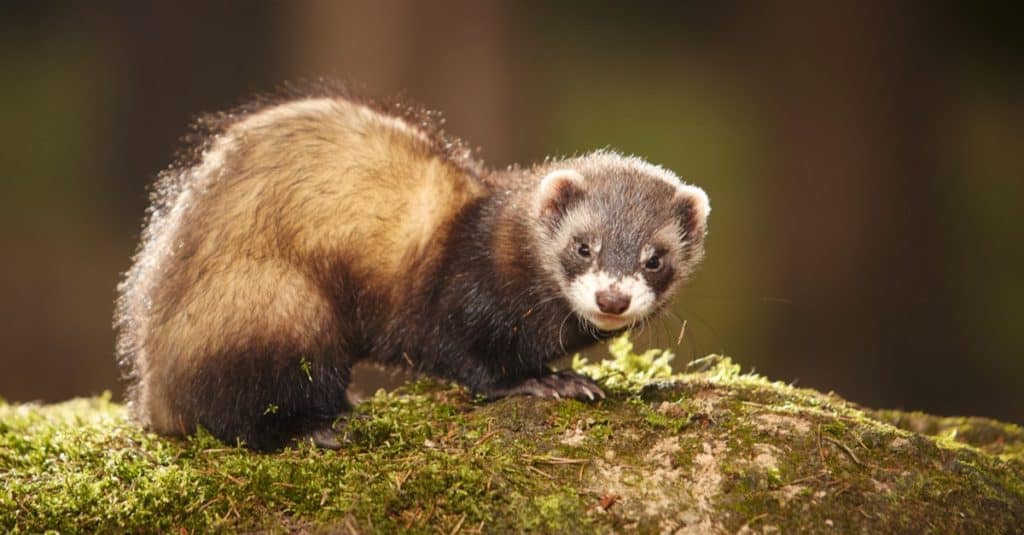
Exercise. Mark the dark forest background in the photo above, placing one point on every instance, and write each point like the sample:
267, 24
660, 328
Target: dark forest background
864, 161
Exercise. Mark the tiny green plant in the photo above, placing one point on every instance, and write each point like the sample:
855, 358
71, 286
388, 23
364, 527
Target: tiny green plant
304, 364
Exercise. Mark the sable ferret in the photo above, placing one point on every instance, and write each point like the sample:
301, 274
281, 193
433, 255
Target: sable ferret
317, 232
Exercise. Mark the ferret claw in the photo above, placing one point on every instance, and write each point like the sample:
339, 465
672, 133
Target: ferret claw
325, 438
558, 385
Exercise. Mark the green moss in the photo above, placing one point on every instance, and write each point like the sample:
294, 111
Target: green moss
556, 512
712, 448
626, 370
999, 438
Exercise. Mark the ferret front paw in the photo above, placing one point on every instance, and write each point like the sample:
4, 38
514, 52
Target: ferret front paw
557, 385
324, 438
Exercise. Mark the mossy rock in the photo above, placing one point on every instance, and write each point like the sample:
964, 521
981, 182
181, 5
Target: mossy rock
705, 452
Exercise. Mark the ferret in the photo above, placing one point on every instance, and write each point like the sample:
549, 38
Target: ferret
312, 233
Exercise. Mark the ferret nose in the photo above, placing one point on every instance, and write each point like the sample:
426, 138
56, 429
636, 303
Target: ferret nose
612, 302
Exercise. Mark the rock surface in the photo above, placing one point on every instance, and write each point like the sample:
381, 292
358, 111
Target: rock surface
712, 451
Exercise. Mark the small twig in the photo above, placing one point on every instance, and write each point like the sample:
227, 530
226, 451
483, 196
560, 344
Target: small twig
487, 436
553, 460
348, 524
861, 442
821, 450
847, 450
412, 519
805, 478
209, 503
459, 525
750, 522
842, 489
682, 332
539, 471
400, 479
235, 480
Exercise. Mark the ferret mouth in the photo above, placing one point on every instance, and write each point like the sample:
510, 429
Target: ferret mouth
608, 322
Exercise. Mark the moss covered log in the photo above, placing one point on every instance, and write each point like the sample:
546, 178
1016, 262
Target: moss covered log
708, 451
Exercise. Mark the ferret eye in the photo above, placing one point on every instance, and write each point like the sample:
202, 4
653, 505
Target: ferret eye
583, 250
653, 263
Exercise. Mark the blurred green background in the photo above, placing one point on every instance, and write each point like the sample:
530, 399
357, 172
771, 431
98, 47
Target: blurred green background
864, 161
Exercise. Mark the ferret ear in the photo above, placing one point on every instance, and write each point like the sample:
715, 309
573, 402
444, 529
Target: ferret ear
692, 208
558, 189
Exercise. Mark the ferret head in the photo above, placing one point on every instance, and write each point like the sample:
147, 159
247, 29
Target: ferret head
618, 235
